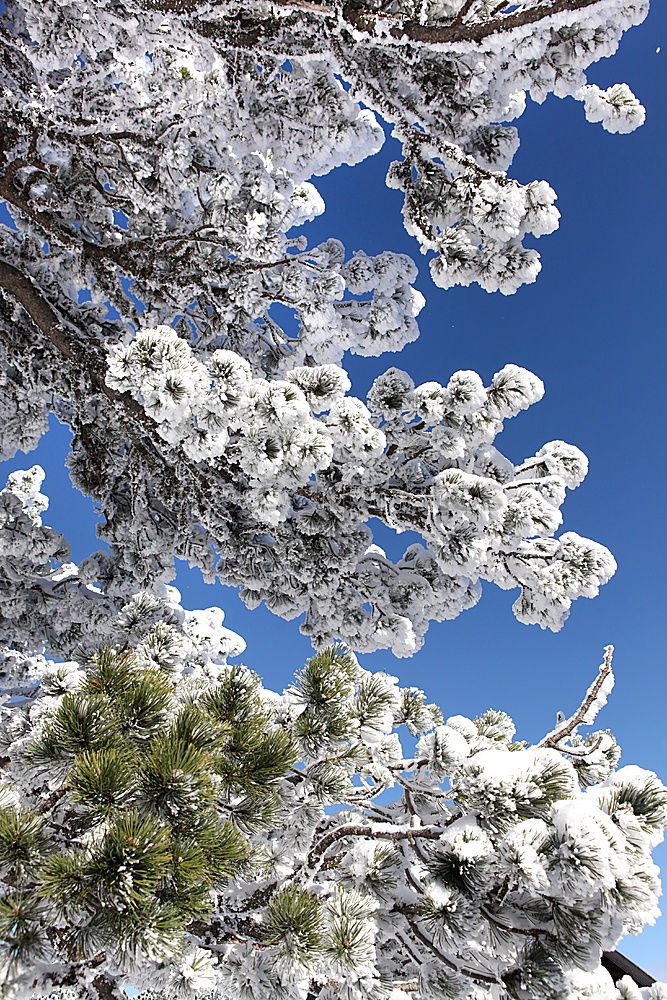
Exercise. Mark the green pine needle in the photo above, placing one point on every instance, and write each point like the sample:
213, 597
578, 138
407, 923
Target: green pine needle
175, 779
82, 722
372, 702
235, 699
103, 780
196, 727
294, 926
23, 838
21, 927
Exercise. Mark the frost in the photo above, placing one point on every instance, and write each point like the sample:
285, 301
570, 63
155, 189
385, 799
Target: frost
161, 303
484, 845
616, 109
213, 419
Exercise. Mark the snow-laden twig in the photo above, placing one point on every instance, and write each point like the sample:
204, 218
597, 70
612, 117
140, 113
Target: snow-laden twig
594, 700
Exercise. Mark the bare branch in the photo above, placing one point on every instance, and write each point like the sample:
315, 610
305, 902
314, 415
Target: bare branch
351, 830
595, 698
463, 11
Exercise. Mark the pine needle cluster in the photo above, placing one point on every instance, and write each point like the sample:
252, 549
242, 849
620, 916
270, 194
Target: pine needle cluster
175, 825
156, 791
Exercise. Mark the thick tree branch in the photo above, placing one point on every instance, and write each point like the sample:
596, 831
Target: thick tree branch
457, 32
242, 29
86, 358
24, 291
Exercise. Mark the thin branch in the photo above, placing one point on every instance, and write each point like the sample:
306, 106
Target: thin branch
352, 830
53, 799
581, 717
413, 812
462, 12
481, 977
526, 931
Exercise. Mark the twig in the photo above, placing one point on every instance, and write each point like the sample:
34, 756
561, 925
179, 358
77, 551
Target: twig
481, 977
351, 830
580, 717
462, 12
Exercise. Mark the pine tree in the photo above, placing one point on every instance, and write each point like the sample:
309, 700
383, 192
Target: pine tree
157, 160
168, 823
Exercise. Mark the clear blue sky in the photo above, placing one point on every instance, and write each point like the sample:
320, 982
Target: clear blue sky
593, 328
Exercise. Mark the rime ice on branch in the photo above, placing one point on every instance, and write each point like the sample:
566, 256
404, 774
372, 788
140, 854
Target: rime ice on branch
166, 823
157, 157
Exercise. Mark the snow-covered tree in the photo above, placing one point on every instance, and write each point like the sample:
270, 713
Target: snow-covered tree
169, 824
166, 823
157, 156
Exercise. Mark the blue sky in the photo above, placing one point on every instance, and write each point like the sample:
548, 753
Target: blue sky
593, 328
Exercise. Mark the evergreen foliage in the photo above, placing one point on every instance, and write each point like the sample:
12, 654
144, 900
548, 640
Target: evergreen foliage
142, 778
167, 822
157, 159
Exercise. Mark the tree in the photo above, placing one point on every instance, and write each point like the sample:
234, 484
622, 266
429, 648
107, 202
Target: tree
157, 157
167, 822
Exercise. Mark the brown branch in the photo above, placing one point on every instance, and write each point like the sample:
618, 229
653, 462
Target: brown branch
247, 31
462, 12
187, 6
24, 291
92, 364
526, 931
105, 987
481, 977
128, 255
95, 251
352, 830
415, 32
53, 799
567, 728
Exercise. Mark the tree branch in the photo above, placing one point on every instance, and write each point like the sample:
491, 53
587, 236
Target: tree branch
462, 12
567, 728
105, 987
92, 364
406, 833
457, 32
24, 291
243, 30
481, 977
